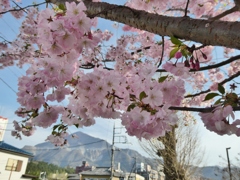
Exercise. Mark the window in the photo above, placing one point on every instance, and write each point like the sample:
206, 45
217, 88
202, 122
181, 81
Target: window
13, 165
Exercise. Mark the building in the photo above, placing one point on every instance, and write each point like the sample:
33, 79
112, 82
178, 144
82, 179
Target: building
13, 160
84, 167
133, 176
148, 173
101, 173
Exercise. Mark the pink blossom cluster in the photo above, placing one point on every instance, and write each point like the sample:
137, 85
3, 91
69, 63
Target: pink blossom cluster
151, 117
58, 140
57, 43
197, 8
4, 5
218, 121
21, 50
60, 33
178, 69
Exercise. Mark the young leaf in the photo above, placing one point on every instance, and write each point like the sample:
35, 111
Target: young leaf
218, 101
62, 7
221, 89
161, 79
210, 96
173, 52
130, 107
175, 41
142, 95
55, 127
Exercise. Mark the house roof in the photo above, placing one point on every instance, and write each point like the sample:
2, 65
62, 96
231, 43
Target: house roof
28, 176
10, 148
101, 171
73, 177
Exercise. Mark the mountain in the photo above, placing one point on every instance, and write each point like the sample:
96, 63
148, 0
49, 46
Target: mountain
95, 151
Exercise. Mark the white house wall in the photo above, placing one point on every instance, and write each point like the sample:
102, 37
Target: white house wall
5, 174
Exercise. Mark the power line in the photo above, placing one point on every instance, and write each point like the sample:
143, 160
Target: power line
64, 147
8, 85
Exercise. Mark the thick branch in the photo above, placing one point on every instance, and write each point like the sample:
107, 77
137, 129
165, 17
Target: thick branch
217, 33
207, 32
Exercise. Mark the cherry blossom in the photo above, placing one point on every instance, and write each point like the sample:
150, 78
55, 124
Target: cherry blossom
137, 78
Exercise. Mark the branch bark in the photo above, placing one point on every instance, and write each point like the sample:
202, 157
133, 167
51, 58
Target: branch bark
207, 32
203, 110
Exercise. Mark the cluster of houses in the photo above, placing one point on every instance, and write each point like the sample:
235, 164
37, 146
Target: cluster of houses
141, 172
14, 164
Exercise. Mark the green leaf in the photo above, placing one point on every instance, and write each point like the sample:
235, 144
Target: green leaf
221, 89
218, 101
142, 95
173, 52
185, 53
131, 106
161, 79
62, 7
175, 41
210, 96
55, 127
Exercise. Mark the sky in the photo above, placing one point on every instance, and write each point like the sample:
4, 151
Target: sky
213, 144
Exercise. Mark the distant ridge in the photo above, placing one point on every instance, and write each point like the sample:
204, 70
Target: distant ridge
98, 153
86, 148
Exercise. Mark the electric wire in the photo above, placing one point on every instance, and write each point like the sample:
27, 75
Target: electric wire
67, 147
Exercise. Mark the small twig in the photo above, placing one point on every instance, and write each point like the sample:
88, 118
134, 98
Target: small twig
34, 5
19, 6
140, 50
160, 62
186, 9
177, 9
225, 13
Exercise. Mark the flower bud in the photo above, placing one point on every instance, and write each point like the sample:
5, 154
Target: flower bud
178, 55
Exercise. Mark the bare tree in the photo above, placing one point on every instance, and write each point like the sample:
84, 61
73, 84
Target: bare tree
179, 151
234, 168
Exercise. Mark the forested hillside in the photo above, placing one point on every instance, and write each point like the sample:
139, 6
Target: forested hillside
36, 167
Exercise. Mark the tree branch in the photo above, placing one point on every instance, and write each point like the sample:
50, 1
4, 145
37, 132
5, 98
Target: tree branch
204, 110
186, 8
228, 61
216, 33
160, 61
225, 13
21, 9
208, 90
234, 58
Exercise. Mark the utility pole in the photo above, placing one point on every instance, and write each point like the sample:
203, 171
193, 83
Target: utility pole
112, 155
135, 167
229, 166
113, 148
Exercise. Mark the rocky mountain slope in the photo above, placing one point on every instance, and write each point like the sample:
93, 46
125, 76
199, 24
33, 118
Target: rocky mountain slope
86, 148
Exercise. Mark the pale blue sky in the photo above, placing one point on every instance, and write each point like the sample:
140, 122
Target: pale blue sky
214, 144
